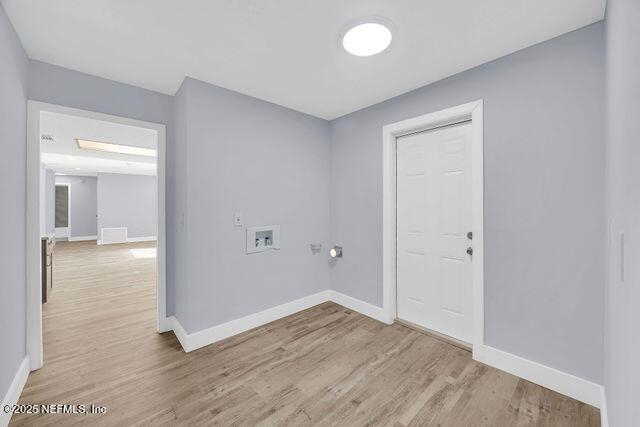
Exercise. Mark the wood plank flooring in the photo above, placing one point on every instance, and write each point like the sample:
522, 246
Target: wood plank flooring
324, 366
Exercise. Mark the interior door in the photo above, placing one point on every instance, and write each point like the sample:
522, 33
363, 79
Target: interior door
62, 211
434, 274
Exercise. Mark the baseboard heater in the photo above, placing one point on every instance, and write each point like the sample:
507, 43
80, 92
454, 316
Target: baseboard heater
113, 235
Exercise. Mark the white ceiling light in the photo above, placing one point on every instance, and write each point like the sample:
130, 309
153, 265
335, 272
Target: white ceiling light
115, 148
367, 37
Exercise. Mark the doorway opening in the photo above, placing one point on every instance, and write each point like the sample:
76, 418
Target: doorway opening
96, 214
433, 250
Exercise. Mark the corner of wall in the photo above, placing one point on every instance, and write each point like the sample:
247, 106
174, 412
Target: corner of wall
180, 176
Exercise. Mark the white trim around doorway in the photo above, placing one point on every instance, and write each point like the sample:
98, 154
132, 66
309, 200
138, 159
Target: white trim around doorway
33, 274
470, 111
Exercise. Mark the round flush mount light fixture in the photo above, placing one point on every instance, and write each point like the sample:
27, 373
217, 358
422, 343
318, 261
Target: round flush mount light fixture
367, 36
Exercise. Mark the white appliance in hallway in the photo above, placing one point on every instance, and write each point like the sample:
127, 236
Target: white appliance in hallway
434, 240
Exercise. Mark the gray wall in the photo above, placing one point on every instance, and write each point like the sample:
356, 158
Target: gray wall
544, 196
270, 163
13, 110
127, 201
57, 85
84, 204
622, 326
178, 296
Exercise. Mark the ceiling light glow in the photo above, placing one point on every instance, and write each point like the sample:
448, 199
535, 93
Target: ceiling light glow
366, 39
115, 148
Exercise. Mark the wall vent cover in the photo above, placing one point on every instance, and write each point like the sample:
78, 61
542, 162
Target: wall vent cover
113, 235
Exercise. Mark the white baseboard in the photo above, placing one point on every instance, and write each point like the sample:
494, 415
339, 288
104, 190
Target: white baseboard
133, 240
166, 325
180, 333
357, 305
15, 390
604, 415
562, 382
142, 239
195, 340
82, 238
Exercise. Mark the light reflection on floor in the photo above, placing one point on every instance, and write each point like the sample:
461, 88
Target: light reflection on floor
143, 252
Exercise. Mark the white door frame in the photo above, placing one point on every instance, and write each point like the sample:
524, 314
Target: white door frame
68, 185
390, 133
34, 284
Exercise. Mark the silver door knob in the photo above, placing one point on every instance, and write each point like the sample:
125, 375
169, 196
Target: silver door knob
470, 250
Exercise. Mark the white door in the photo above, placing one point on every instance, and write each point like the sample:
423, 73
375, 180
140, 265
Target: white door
434, 277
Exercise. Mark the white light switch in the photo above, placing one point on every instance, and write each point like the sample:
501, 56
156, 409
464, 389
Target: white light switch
237, 219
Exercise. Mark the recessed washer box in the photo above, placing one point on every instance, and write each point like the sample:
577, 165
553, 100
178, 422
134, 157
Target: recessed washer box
260, 239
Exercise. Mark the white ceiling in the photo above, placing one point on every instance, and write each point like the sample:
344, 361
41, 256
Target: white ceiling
287, 51
63, 155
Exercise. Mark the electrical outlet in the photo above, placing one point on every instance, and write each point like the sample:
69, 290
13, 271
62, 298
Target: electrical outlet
237, 219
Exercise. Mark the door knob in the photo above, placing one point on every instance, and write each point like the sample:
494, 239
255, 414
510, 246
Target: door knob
470, 235
470, 250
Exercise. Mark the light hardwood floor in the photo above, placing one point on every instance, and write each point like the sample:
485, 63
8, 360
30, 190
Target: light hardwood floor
324, 366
